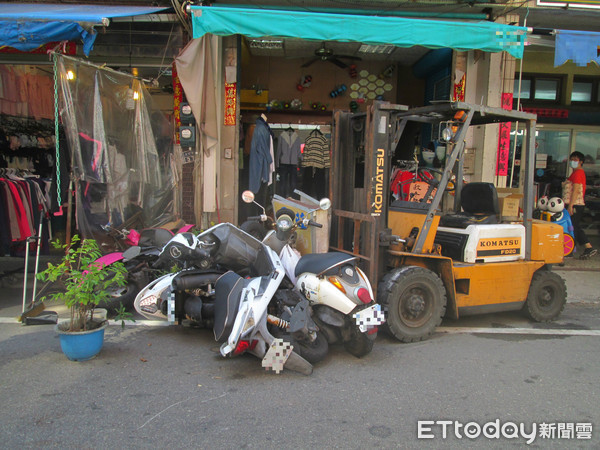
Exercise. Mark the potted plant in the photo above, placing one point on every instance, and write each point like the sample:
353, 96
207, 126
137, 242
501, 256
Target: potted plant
85, 286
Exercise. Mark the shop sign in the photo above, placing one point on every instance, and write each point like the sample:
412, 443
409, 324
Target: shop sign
504, 139
177, 99
67, 48
230, 103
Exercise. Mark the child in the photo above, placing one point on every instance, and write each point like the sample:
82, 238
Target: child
575, 203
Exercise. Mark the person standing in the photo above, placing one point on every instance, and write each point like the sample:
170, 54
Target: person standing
575, 202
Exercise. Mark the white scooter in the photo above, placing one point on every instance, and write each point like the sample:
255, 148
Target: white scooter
338, 292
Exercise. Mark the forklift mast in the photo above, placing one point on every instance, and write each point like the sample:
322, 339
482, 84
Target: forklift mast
362, 150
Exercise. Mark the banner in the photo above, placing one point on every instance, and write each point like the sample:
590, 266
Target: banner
504, 139
230, 103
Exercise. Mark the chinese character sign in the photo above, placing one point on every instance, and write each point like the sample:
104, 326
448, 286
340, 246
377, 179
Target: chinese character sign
459, 90
504, 139
177, 98
230, 103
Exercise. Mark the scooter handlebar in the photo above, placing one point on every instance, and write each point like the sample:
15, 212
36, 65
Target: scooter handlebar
312, 223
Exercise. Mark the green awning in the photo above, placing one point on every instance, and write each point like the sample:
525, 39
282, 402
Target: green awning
375, 30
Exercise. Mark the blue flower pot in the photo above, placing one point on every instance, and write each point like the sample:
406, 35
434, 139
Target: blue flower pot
80, 345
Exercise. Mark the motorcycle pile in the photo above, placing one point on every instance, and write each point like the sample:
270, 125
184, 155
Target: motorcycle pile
258, 296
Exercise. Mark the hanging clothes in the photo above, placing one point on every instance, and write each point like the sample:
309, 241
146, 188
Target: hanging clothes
316, 151
21, 201
261, 159
289, 154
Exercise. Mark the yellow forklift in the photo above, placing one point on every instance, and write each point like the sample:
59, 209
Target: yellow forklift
426, 261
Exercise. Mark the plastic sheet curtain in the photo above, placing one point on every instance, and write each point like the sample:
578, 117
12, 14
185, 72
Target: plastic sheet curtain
120, 148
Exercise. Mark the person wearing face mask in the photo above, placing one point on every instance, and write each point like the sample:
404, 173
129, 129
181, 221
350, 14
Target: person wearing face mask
576, 204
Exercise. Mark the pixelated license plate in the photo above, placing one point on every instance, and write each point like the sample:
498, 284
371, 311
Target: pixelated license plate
369, 317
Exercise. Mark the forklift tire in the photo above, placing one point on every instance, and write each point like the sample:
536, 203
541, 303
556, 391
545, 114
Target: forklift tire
547, 296
415, 299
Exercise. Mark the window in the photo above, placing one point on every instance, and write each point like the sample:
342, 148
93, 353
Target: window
546, 89
582, 91
525, 88
534, 88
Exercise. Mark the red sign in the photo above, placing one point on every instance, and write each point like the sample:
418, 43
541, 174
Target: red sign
504, 139
230, 103
68, 48
549, 112
459, 90
177, 98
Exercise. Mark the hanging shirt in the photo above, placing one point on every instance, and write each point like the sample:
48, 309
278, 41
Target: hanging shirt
316, 151
288, 148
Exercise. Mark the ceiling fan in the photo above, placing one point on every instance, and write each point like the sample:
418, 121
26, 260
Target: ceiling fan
326, 54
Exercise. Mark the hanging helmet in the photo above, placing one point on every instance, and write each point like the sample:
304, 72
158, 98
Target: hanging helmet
542, 203
556, 205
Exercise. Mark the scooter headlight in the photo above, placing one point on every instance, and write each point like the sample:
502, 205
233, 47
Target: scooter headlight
284, 223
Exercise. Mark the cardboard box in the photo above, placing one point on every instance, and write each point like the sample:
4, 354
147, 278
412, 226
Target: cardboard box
509, 201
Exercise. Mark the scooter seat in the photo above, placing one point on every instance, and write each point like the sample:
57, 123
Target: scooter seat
320, 263
228, 289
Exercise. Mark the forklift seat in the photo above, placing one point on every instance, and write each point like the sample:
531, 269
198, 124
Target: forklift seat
479, 202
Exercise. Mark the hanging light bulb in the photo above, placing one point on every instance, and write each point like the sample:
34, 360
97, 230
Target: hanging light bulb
70, 75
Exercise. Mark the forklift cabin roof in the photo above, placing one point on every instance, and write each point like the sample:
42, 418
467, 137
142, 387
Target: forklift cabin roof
482, 115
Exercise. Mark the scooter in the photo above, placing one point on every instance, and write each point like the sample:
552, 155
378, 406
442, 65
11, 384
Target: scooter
338, 292
139, 259
229, 284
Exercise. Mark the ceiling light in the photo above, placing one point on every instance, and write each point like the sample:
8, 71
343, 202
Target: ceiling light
380, 49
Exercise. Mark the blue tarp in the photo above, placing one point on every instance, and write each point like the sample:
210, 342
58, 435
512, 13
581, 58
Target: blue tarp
399, 31
579, 46
27, 26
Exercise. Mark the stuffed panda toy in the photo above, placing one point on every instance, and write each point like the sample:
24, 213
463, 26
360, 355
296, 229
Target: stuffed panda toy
542, 205
556, 207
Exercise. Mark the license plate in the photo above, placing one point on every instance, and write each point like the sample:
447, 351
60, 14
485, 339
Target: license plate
277, 355
369, 317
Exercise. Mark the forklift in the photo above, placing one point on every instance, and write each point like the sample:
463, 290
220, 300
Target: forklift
425, 261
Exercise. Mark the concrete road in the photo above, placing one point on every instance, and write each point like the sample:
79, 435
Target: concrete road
159, 387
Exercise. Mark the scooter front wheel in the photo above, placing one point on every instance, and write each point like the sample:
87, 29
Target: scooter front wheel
120, 295
359, 344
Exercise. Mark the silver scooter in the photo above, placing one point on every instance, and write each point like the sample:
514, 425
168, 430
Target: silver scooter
339, 295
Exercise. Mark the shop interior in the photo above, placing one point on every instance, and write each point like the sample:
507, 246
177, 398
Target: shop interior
297, 84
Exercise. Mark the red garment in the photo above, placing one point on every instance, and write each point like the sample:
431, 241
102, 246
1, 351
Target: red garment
22, 219
578, 177
401, 181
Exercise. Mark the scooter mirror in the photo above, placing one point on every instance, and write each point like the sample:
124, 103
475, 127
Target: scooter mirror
325, 204
248, 196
